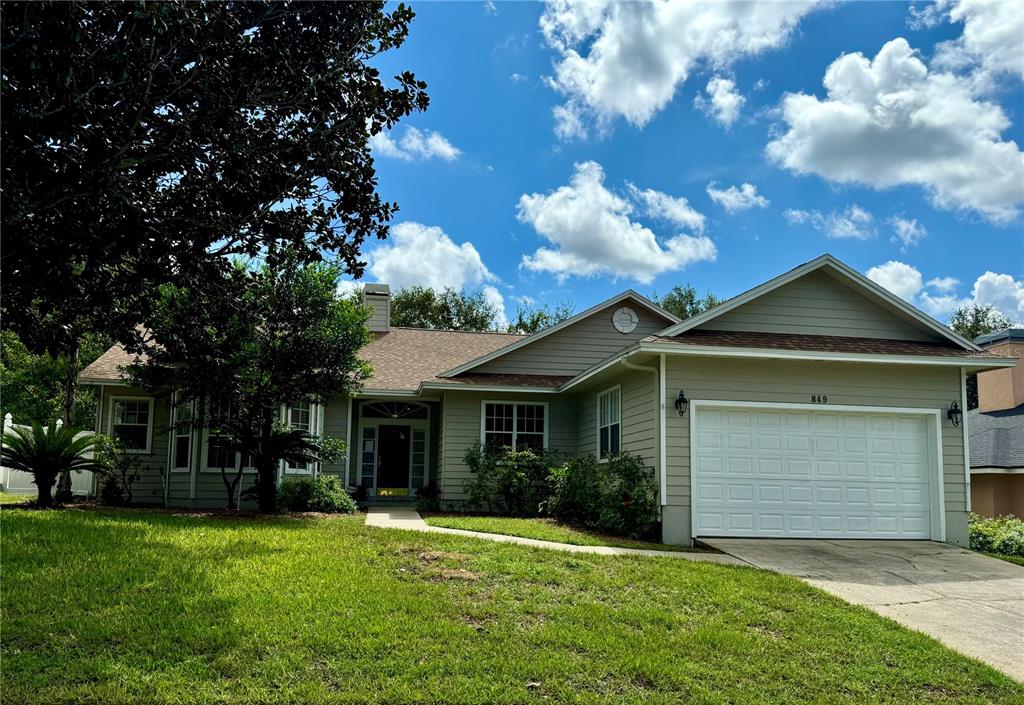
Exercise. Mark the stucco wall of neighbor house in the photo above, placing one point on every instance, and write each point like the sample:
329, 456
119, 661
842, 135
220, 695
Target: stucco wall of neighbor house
149, 488
794, 382
998, 494
576, 347
817, 304
1004, 388
462, 412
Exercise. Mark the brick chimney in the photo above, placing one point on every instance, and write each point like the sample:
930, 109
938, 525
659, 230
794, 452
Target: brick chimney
1002, 388
378, 298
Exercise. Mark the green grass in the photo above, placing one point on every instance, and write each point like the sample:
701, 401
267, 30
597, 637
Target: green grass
541, 529
1003, 557
148, 607
11, 498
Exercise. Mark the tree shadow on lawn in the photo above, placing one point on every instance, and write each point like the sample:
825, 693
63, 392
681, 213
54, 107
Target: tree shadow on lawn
102, 597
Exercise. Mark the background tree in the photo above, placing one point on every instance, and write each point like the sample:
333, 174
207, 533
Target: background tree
145, 143
531, 320
683, 301
269, 335
448, 309
971, 322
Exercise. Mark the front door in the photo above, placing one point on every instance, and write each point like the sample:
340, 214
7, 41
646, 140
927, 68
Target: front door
393, 460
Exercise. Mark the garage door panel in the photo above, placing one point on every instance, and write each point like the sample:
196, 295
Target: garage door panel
811, 473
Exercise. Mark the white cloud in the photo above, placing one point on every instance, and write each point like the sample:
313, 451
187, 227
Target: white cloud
569, 122
495, 299
490, 8
851, 223
415, 145
422, 255
591, 233
518, 78
1001, 291
943, 284
991, 38
737, 198
626, 59
723, 102
890, 121
347, 287
664, 207
899, 278
908, 231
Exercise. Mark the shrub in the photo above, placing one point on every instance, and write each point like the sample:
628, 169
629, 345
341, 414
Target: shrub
428, 498
1003, 535
320, 494
111, 493
123, 470
616, 497
507, 481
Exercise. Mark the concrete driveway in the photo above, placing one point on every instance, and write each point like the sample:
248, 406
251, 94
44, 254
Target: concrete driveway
970, 602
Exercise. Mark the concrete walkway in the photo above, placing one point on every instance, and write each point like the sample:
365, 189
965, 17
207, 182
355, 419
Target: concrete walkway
970, 602
409, 519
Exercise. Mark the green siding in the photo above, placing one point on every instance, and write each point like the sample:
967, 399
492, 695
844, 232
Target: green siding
817, 304
577, 347
794, 382
149, 488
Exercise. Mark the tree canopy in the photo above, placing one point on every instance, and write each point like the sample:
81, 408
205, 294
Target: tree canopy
684, 302
975, 320
146, 143
459, 309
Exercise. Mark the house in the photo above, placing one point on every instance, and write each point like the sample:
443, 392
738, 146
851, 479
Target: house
997, 431
814, 405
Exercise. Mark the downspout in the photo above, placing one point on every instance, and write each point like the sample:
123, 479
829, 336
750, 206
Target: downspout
348, 441
967, 443
659, 376
170, 448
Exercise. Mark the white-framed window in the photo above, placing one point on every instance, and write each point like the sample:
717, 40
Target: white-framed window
609, 423
131, 422
182, 438
514, 424
218, 446
300, 416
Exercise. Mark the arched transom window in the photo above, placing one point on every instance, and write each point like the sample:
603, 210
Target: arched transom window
394, 410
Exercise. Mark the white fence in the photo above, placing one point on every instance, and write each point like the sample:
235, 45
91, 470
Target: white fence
18, 482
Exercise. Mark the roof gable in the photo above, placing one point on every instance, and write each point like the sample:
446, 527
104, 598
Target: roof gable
574, 344
823, 297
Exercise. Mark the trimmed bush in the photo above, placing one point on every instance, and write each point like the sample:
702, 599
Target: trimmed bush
509, 482
617, 497
320, 494
1003, 535
428, 498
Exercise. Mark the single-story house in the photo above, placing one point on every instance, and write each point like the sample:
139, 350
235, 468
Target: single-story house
997, 431
817, 404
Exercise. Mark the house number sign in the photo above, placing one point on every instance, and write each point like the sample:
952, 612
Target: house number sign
819, 399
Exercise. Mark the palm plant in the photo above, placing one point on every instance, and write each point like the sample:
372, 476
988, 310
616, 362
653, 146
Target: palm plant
47, 452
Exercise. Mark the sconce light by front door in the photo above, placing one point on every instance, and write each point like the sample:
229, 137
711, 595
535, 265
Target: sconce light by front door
682, 403
954, 414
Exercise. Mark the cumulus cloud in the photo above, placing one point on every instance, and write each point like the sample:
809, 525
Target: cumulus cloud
853, 222
890, 121
422, 255
737, 198
518, 78
675, 210
626, 59
591, 232
991, 38
938, 296
415, 145
722, 102
907, 231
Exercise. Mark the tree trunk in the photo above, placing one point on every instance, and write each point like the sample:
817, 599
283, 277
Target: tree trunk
44, 482
70, 394
266, 468
231, 485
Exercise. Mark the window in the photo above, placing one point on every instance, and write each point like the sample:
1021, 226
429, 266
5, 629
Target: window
130, 422
609, 426
219, 453
300, 416
368, 457
182, 436
514, 425
419, 458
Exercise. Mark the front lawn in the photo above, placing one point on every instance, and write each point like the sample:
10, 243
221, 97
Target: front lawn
541, 529
1019, 560
152, 607
12, 498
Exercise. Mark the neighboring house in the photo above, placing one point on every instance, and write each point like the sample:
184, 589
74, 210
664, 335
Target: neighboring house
997, 431
814, 405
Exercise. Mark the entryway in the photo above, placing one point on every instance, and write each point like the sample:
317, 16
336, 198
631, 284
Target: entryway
393, 449
393, 460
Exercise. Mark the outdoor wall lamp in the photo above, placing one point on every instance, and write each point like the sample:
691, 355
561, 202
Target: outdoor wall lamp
954, 414
682, 402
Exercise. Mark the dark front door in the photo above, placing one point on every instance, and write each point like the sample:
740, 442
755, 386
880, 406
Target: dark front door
393, 457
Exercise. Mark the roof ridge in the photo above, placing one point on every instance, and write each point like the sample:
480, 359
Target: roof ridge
455, 330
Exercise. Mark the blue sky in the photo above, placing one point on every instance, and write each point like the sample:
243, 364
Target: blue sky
572, 151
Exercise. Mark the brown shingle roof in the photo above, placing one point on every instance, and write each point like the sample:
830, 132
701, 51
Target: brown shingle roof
401, 359
504, 380
817, 343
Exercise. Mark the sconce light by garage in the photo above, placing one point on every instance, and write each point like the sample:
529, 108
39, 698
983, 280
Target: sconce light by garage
954, 414
682, 403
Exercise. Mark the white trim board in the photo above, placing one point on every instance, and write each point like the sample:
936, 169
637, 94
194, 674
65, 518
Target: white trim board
500, 352
838, 267
937, 503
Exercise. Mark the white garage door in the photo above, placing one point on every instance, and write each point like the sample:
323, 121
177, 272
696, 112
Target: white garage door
809, 473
